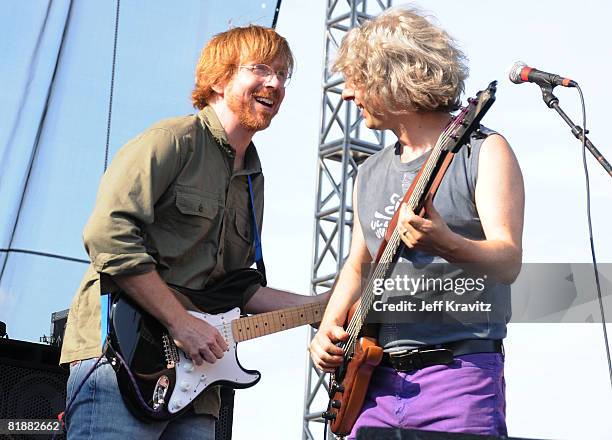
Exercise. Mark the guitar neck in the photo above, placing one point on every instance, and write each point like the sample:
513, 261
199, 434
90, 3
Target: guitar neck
271, 322
425, 182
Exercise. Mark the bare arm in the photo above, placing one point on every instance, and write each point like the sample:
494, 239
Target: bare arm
500, 200
198, 339
325, 354
267, 299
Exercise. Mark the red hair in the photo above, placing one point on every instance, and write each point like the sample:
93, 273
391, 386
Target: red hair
226, 51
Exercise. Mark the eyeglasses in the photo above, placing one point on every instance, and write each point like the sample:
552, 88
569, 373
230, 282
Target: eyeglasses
265, 71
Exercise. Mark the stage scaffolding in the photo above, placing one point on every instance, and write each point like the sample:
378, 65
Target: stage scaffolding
344, 143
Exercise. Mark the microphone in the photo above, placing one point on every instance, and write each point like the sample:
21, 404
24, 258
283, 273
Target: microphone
521, 72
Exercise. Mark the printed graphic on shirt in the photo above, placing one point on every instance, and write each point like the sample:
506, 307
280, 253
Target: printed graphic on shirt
380, 220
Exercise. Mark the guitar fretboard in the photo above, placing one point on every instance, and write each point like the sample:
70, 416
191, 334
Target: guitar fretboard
272, 322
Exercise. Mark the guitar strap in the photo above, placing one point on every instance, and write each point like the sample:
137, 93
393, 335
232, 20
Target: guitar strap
259, 262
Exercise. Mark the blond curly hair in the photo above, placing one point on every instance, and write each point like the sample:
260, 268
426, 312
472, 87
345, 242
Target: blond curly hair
403, 62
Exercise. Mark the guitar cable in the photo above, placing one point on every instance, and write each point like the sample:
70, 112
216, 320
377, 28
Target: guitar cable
117, 357
325, 428
63, 414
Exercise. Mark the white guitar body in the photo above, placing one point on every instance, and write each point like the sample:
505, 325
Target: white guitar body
158, 381
192, 379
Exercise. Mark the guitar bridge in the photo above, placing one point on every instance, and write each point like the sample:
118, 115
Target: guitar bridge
170, 351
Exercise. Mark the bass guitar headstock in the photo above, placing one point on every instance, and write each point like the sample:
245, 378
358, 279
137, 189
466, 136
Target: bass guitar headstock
469, 118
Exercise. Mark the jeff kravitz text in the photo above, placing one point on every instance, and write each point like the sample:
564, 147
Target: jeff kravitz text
411, 286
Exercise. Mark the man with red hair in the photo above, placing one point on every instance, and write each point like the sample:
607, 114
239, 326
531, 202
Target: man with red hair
180, 204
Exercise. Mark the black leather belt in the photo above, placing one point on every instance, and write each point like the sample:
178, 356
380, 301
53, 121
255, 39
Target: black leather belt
441, 354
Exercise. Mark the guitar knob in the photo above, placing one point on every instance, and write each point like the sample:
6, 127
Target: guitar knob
178, 404
335, 404
185, 386
328, 415
188, 366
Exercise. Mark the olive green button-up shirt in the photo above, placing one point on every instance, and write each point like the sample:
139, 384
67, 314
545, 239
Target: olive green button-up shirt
170, 201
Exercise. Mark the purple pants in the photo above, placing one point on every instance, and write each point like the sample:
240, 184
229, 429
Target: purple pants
466, 396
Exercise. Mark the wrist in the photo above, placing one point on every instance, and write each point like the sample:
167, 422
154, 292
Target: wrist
327, 324
451, 247
176, 320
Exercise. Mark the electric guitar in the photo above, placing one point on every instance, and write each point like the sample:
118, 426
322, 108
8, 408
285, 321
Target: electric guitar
350, 381
158, 381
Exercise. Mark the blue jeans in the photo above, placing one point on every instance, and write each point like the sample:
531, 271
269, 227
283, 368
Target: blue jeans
98, 411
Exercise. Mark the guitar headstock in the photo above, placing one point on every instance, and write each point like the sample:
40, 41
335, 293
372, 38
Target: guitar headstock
469, 118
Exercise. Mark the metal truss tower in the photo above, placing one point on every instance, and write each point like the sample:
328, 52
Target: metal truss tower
344, 143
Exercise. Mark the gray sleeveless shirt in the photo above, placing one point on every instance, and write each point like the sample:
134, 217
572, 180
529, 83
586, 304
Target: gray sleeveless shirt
383, 181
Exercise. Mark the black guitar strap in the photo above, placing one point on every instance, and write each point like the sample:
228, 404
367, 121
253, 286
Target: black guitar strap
226, 294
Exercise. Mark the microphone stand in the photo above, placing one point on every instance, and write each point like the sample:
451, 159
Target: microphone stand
553, 102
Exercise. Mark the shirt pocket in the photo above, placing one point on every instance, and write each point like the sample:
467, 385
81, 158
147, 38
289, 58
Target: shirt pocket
196, 205
196, 215
243, 227
239, 241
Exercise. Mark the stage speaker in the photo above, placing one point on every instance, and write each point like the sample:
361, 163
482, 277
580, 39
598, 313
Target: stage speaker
32, 385
223, 427
413, 434
58, 325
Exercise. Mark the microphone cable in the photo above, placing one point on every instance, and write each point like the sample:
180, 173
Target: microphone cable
592, 243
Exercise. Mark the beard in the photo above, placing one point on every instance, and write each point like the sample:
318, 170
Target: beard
248, 115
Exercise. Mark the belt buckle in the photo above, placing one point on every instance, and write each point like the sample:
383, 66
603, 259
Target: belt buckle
416, 359
399, 354
406, 360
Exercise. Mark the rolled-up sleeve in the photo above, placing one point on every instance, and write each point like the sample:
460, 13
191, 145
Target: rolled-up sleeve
137, 177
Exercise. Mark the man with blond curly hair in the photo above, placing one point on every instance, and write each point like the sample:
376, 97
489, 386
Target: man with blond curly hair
407, 75
175, 208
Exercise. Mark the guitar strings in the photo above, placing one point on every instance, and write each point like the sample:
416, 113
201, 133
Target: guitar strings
355, 325
383, 265
290, 315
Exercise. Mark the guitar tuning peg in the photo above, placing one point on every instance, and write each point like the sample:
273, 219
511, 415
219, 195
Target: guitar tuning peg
337, 388
328, 415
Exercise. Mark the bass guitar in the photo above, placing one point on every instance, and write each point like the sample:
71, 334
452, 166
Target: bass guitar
361, 353
158, 381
